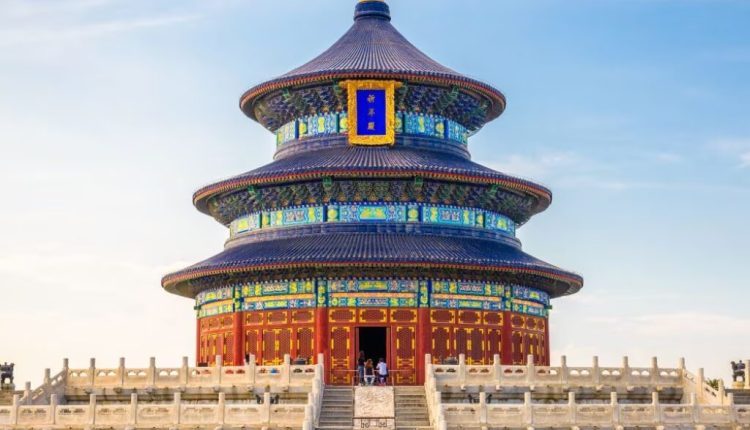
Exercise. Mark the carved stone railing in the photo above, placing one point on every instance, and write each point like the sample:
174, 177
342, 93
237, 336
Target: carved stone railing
432, 393
46, 411
575, 415
697, 385
50, 385
284, 375
315, 397
707, 406
279, 378
530, 375
167, 415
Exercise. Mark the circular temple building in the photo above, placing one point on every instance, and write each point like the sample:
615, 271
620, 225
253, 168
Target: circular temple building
372, 230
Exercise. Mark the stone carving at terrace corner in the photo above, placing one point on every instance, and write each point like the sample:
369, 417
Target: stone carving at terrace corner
738, 371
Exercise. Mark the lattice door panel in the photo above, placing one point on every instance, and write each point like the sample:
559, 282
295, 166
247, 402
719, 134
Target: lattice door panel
441, 344
533, 342
461, 341
341, 355
475, 347
305, 343
251, 342
203, 356
276, 343
269, 342
494, 343
517, 349
226, 353
405, 355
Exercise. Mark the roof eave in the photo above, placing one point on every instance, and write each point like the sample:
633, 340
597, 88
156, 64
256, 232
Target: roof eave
495, 97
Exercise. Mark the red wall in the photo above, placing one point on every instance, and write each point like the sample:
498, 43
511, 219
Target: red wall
412, 333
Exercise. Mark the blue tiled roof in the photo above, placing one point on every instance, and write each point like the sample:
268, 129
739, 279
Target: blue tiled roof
372, 43
374, 248
374, 48
359, 161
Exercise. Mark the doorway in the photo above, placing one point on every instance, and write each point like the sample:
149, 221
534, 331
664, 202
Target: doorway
374, 342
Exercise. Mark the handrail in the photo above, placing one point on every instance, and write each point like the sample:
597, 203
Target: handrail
283, 375
462, 375
134, 414
574, 414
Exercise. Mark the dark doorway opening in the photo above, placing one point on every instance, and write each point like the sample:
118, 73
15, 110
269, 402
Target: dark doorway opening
374, 342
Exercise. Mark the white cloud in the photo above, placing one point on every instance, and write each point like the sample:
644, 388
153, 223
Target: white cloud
678, 324
738, 147
30, 35
541, 166
25, 9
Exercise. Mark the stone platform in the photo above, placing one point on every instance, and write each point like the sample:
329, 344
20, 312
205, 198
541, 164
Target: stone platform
374, 407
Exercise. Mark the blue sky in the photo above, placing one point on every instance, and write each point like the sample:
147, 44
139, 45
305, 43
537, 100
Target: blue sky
634, 112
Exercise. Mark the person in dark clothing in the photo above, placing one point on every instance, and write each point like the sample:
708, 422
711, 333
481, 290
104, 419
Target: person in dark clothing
361, 368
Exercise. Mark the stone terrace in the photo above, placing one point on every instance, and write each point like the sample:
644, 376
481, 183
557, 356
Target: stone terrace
250, 396
497, 396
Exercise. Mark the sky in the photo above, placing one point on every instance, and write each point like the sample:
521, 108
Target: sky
634, 112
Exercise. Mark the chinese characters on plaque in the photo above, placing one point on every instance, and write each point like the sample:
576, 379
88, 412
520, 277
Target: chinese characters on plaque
372, 112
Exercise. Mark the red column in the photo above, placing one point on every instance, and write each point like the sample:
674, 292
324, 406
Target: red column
424, 344
238, 350
321, 338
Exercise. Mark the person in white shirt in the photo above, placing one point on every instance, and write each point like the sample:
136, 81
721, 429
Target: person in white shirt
382, 371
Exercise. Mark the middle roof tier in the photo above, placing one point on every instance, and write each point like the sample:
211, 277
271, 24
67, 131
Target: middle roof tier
399, 173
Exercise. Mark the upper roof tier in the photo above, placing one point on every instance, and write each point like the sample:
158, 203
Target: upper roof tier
371, 49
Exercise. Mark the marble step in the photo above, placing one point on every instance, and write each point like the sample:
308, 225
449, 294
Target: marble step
335, 422
412, 423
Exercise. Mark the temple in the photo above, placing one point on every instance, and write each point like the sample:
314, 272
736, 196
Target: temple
372, 230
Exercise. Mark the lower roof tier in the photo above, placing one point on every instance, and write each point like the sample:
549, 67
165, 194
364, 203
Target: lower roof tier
334, 253
374, 162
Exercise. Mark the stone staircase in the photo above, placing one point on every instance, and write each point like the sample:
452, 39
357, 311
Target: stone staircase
411, 409
337, 412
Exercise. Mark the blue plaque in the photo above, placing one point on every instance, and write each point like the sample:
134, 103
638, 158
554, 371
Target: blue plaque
371, 112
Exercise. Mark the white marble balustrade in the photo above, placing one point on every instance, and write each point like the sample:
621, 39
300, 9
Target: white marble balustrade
134, 414
574, 415
462, 375
702, 404
595, 376
282, 375
173, 414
